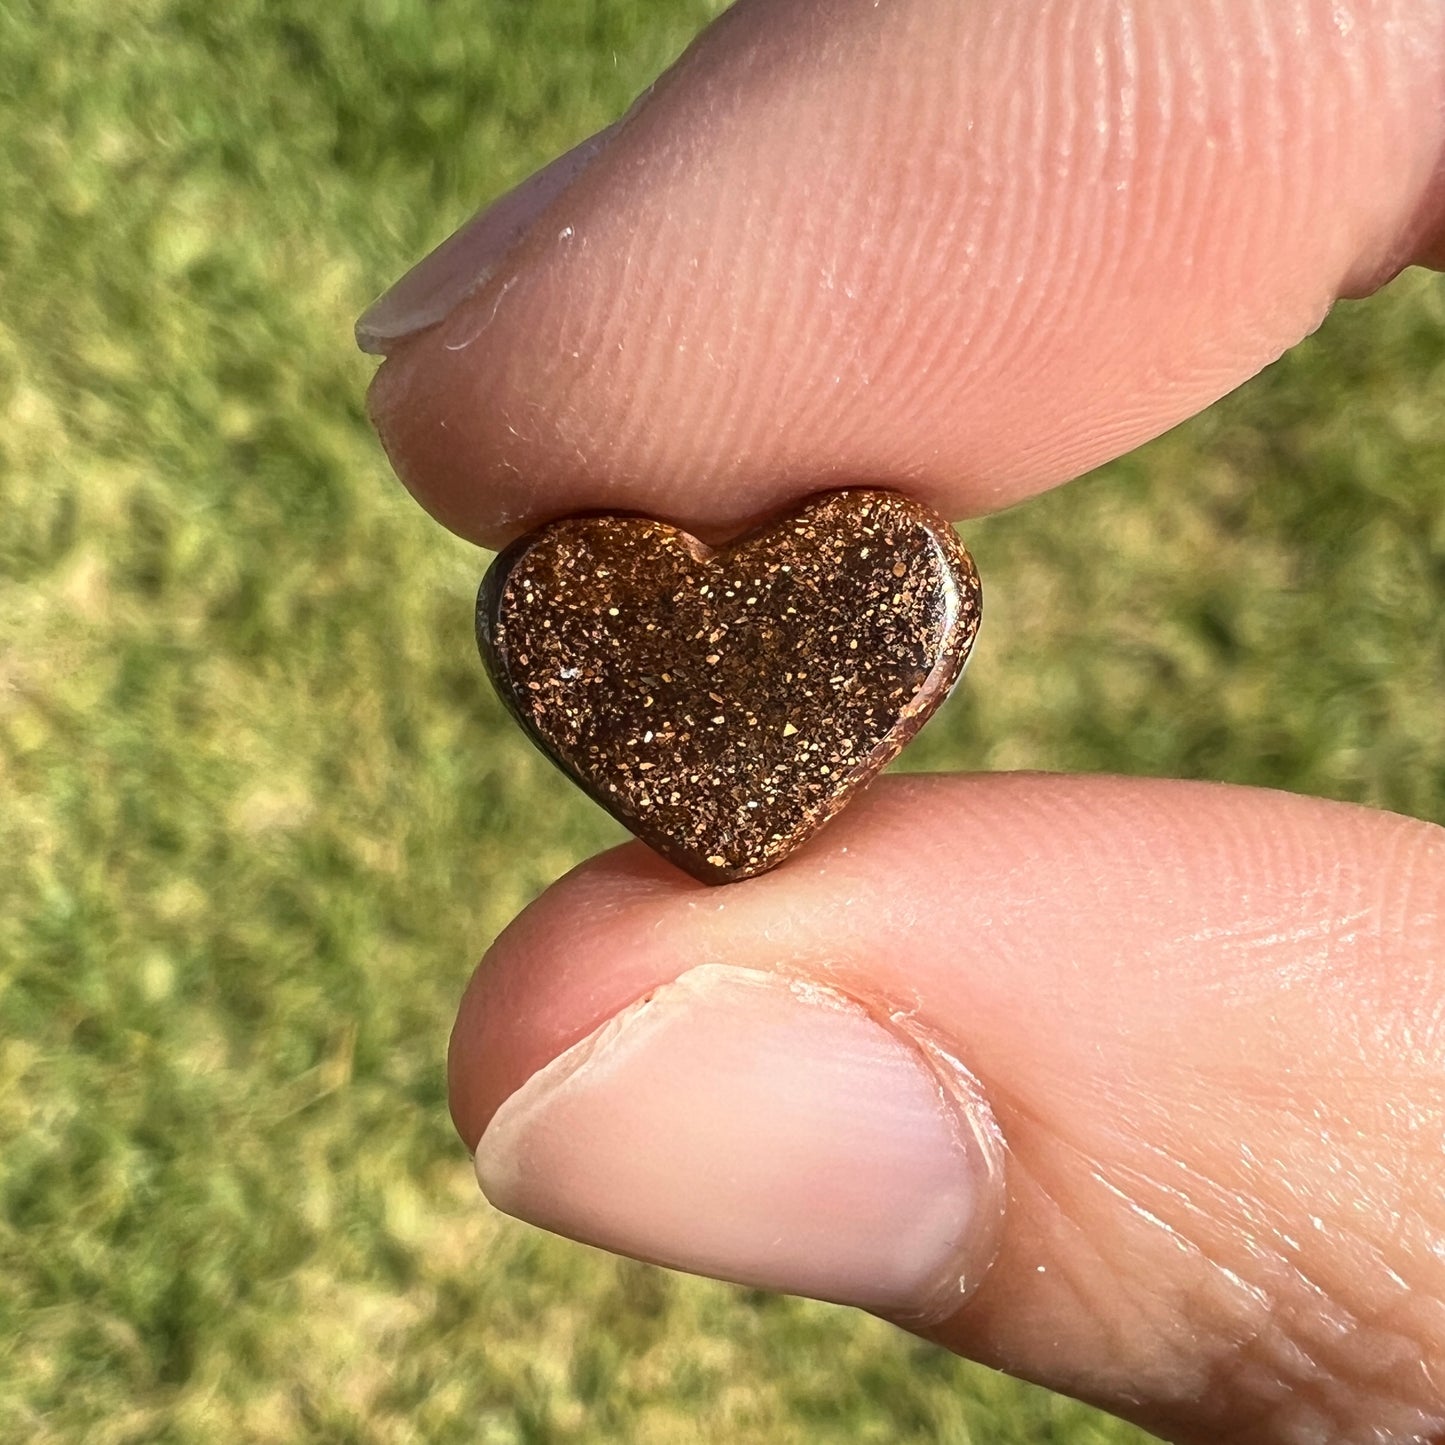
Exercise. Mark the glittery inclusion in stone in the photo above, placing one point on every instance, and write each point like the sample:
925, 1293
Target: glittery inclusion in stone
724, 704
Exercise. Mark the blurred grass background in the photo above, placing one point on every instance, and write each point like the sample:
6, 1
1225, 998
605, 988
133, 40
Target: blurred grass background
261, 813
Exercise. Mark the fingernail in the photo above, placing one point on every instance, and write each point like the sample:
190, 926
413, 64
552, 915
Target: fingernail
436, 285
757, 1129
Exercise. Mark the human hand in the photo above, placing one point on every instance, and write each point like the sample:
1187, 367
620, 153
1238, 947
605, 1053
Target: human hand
1135, 1088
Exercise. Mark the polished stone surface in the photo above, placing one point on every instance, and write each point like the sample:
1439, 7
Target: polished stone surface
724, 704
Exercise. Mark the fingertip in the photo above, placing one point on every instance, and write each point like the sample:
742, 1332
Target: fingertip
1195, 1013
580, 938
968, 252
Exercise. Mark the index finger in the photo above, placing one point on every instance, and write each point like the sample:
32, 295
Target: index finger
969, 251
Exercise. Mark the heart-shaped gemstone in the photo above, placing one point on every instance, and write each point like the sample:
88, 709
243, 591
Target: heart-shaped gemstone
724, 704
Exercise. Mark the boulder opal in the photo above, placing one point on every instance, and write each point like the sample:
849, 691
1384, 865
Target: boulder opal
724, 704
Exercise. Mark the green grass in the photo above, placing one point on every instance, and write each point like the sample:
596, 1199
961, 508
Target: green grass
261, 812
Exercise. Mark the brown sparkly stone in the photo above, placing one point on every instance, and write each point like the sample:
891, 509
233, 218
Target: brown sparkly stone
725, 704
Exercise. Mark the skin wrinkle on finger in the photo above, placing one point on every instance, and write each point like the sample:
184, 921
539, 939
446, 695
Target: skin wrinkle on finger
1292, 1335
1292, 1338
1216, 1204
966, 250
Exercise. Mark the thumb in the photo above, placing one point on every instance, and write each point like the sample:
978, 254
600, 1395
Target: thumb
1131, 1088
969, 250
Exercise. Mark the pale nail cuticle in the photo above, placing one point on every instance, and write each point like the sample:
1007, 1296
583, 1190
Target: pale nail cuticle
740, 1125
